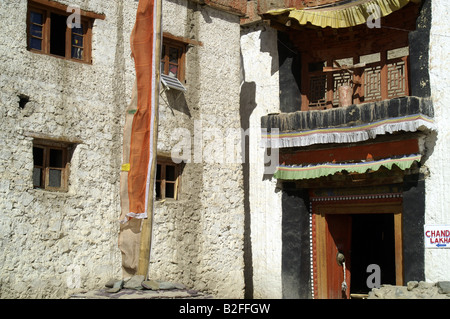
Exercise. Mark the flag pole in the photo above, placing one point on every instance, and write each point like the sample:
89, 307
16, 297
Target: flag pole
147, 223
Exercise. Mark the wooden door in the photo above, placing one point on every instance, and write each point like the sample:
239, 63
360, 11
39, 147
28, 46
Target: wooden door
338, 240
332, 231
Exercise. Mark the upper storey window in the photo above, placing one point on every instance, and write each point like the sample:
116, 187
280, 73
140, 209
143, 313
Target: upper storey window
367, 78
55, 30
172, 59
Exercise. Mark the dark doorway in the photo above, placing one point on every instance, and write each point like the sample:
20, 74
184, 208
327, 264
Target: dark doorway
373, 242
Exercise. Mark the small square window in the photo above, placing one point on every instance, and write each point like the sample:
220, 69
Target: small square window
167, 179
172, 59
51, 165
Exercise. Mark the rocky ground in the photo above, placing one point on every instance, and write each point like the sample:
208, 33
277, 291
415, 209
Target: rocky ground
413, 290
138, 288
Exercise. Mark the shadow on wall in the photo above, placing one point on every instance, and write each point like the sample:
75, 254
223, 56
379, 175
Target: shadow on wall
176, 100
265, 39
290, 74
247, 105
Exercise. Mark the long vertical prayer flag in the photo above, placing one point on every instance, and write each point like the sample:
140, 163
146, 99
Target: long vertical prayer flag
137, 178
144, 125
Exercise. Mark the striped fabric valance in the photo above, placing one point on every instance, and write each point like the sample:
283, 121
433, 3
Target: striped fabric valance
315, 171
347, 134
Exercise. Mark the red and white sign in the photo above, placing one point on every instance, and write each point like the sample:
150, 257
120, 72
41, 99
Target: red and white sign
437, 236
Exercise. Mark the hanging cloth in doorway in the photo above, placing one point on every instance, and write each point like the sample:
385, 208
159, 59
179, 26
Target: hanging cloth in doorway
315, 171
342, 16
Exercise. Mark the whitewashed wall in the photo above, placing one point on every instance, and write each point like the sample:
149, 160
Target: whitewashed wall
437, 261
260, 65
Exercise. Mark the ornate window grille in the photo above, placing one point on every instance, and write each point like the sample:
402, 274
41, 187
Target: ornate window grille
384, 78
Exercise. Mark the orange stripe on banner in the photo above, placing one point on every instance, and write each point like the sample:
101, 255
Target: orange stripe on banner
143, 47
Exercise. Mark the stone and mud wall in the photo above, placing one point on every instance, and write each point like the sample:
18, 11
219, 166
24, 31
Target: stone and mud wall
54, 244
199, 238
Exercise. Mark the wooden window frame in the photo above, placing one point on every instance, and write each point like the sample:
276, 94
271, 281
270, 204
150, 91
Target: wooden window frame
162, 180
46, 146
171, 42
46, 8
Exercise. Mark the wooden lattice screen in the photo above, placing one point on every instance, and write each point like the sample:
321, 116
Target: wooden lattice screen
374, 81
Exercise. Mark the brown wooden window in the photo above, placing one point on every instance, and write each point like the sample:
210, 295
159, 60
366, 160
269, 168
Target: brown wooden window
372, 77
167, 179
172, 59
51, 165
49, 32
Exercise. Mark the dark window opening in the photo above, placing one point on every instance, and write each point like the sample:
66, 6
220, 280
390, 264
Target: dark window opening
38, 158
158, 181
170, 173
170, 190
58, 34
56, 158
